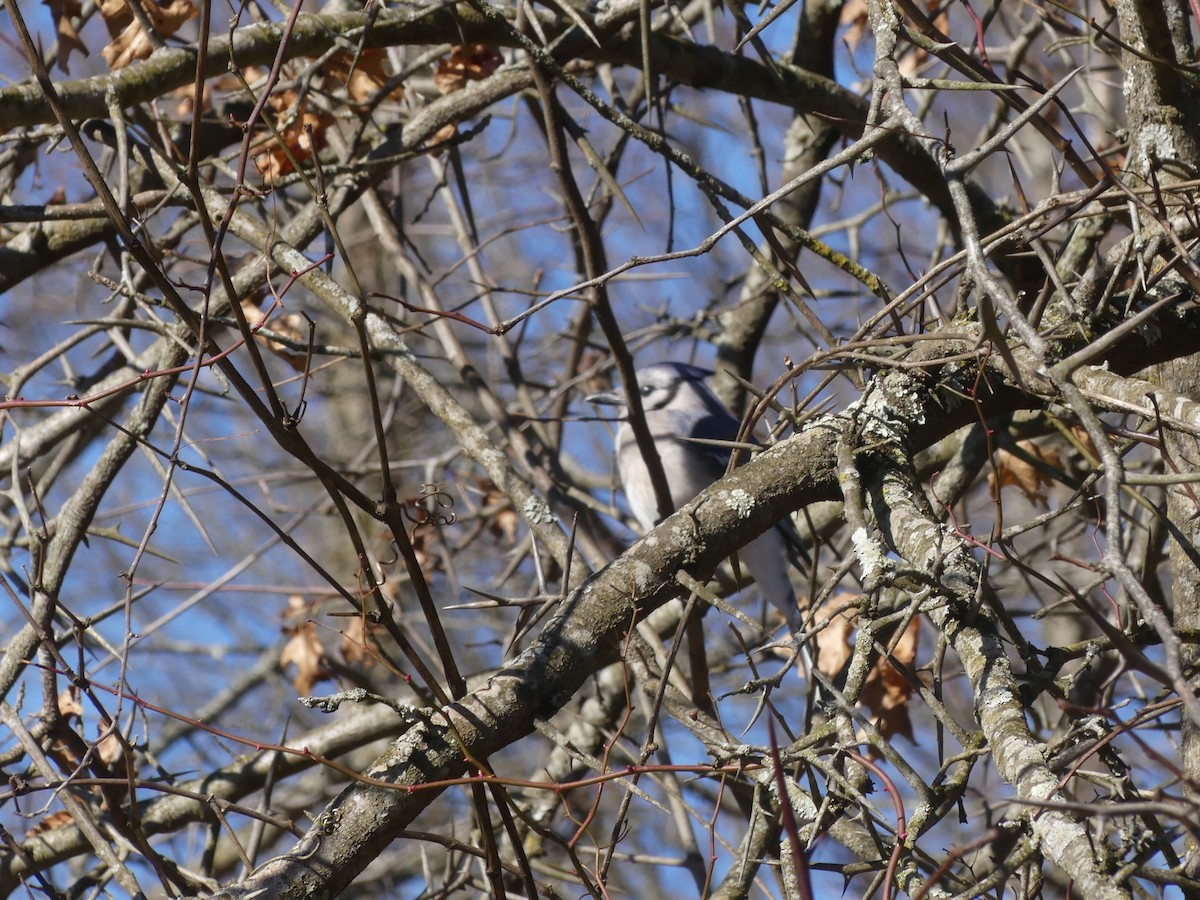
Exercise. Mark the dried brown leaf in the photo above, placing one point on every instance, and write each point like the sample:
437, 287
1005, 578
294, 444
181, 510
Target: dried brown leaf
423, 538
504, 524
854, 15
599, 382
110, 748
914, 58
443, 134
886, 691
358, 642
466, 62
67, 748
133, 43
503, 520
289, 325
1012, 470
52, 822
62, 11
833, 640
303, 650
302, 132
68, 703
186, 97
366, 80
116, 15
1085, 441
226, 83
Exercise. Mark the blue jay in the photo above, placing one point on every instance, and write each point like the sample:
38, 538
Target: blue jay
680, 409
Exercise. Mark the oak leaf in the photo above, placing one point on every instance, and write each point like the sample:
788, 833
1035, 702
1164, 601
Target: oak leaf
466, 62
1080, 434
289, 325
222, 84
116, 15
600, 380
132, 43
58, 819
367, 78
110, 748
301, 130
68, 703
887, 690
502, 520
833, 640
424, 539
303, 650
854, 15
1013, 470
359, 644
62, 11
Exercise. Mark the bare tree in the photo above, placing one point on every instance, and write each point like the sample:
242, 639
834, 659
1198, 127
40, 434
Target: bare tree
318, 580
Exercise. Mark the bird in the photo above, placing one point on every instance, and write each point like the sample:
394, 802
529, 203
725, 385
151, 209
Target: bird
683, 414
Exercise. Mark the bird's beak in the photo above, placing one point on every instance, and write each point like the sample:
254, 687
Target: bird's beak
608, 398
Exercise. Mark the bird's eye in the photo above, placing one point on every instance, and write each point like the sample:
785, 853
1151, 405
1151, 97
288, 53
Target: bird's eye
647, 390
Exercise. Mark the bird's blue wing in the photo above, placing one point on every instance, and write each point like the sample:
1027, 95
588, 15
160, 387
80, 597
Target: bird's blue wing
715, 426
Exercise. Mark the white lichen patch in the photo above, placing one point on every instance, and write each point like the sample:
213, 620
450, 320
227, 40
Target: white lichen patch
740, 501
869, 553
641, 575
537, 512
891, 408
994, 702
492, 459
